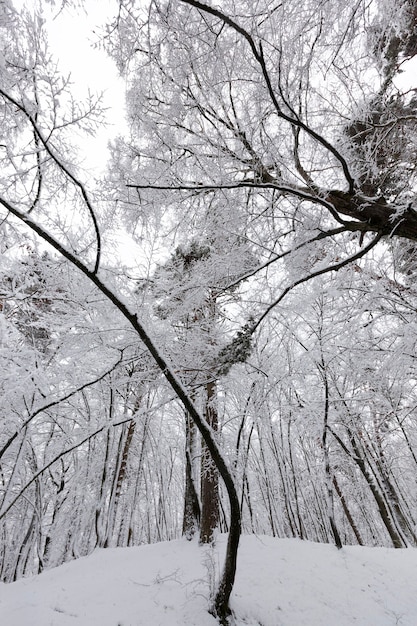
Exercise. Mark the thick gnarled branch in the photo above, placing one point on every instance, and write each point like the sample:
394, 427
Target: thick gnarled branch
376, 213
369, 214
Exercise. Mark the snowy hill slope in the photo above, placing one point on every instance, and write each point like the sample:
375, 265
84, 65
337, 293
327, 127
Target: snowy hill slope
279, 582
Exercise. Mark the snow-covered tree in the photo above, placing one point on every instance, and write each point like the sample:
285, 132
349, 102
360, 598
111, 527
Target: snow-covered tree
275, 138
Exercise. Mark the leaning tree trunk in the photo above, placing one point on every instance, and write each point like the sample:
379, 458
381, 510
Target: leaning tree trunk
384, 513
221, 599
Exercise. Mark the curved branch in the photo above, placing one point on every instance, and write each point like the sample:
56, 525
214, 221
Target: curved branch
221, 601
325, 270
371, 214
260, 58
302, 193
45, 407
322, 235
61, 165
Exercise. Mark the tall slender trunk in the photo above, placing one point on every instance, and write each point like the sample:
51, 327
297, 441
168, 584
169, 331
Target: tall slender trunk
327, 468
120, 475
357, 456
392, 495
209, 474
264, 476
347, 512
192, 511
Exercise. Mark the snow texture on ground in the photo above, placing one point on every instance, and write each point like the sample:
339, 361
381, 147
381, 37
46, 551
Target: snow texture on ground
280, 582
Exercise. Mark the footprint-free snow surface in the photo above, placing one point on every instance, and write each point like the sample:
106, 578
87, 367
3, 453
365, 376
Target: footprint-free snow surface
284, 582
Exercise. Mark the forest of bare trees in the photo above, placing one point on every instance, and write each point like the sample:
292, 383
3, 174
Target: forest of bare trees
256, 372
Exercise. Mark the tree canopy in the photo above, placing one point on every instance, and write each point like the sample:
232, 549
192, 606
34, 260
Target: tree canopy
267, 177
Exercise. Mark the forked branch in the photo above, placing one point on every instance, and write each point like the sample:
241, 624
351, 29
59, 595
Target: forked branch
258, 54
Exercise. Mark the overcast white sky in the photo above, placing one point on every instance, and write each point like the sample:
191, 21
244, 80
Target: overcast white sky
71, 40
71, 37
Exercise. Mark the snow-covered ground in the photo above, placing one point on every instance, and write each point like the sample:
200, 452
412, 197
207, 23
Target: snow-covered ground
279, 582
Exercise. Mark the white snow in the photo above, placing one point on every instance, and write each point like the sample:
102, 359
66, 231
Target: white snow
284, 582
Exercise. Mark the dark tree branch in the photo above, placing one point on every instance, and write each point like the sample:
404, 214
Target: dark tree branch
303, 194
78, 184
330, 268
322, 235
38, 153
221, 600
260, 58
372, 214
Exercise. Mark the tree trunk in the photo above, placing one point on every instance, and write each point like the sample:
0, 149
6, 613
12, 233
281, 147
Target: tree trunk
221, 600
121, 472
192, 512
396, 539
327, 468
209, 474
347, 511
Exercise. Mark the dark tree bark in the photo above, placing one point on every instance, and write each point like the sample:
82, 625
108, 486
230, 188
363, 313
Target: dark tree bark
222, 596
327, 468
386, 518
347, 512
209, 473
192, 511
375, 214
